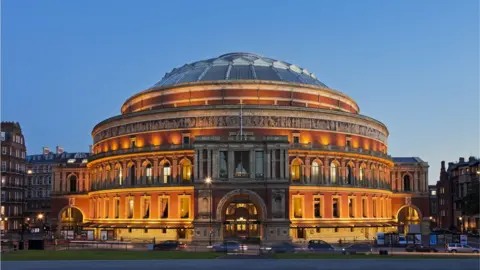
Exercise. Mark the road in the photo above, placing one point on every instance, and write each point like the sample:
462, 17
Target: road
252, 264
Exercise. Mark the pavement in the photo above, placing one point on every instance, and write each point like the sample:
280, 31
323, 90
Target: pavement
263, 264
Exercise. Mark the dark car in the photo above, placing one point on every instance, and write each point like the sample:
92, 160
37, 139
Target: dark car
357, 249
420, 248
319, 245
281, 248
229, 246
170, 245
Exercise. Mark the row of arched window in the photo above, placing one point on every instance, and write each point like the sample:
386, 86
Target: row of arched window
334, 175
130, 175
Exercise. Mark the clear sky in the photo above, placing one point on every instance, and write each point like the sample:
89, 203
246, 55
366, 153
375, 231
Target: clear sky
414, 65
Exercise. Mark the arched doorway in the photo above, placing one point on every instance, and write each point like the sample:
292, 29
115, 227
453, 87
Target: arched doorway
408, 215
242, 215
71, 219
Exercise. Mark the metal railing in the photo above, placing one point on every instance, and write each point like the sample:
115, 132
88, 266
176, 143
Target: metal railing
144, 149
336, 148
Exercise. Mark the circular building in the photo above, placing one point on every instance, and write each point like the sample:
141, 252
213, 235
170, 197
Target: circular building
239, 145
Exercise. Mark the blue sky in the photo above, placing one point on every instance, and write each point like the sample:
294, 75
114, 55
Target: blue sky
414, 65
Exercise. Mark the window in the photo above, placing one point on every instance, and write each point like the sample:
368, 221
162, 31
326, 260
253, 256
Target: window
333, 172
242, 163
374, 207
4, 150
119, 174
186, 170
3, 179
335, 208
2, 136
73, 183
3, 210
349, 175
297, 207
132, 175
117, 207
146, 207
130, 208
148, 173
184, 207
223, 164
433, 192
166, 173
296, 172
72, 160
296, 138
317, 210
351, 208
442, 190
163, 207
315, 172
259, 164
4, 165
406, 183
186, 139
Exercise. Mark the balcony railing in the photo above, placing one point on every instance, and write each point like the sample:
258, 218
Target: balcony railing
343, 183
336, 148
145, 149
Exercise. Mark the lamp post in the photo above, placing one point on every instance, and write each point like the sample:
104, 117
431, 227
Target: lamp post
461, 224
208, 181
41, 217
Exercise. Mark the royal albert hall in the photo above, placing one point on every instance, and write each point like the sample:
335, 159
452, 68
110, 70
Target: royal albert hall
239, 146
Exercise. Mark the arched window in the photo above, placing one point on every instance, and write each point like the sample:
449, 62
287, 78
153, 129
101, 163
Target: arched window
349, 175
132, 175
361, 176
119, 174
315, 172
186, 170
333, 172
296, 172
166, 173
73, 183
148, 173
406, 183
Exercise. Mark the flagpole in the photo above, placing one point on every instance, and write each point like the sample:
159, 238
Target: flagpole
241, 120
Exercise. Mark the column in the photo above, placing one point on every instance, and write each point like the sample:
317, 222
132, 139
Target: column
209, 163
274, 175
175, 170
156, 173
200, 163
139, 174
342, 171
282, 161
286, 169
326, 171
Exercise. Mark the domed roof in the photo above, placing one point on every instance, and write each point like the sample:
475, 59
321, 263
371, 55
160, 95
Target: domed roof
239, 66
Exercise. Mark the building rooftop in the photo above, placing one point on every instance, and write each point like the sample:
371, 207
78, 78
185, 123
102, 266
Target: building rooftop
52, 158
239, 66
407, 159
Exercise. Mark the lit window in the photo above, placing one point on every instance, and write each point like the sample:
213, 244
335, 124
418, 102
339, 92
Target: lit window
336, 208
146, 207
166, 173
317, 204
148, 173
185, 207
186, 170
433, 192
72, 160
333, 172
85, 161
297, 207
163, 207
315, 172
296, 172
130, 208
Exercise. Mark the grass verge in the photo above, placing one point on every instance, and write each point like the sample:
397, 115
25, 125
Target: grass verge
42, 255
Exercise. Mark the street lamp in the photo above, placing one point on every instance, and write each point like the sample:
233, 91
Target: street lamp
461, 224
208, 181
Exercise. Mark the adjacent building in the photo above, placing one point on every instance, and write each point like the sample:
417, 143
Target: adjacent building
12, 176
240, 145
457, 187
433, 199
41, 170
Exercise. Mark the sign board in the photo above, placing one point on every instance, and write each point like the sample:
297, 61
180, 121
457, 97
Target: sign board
463, 239
433, 239
380, 238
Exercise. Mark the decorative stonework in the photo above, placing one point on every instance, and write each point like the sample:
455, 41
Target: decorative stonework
256, 199
248, 122
278, 203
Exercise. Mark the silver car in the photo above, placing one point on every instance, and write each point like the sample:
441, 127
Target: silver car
456, 247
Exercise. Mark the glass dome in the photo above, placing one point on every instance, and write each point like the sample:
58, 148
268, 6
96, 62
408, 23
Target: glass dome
239, 66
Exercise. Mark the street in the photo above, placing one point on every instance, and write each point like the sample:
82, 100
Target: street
330, 264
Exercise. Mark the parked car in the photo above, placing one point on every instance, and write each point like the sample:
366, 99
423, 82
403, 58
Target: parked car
319, 245
420, 248
456, 247
358, 249
284, 247
170, 245
229, 246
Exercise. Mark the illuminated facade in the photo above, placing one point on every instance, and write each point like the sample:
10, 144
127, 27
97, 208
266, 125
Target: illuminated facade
286, 158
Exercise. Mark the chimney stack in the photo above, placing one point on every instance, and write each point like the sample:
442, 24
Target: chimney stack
443, 166
462, 160
59, 150
46, 150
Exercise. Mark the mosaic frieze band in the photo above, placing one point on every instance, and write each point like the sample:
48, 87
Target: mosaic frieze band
248, 122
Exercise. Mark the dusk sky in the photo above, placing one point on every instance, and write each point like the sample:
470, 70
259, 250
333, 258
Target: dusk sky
413, 65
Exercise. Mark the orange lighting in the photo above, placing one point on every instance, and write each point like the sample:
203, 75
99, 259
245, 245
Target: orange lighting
114, 145
324, 140
125, 144
105, 147
139, 142
355, 142
156, 140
